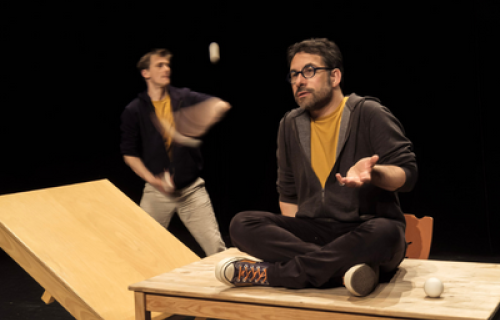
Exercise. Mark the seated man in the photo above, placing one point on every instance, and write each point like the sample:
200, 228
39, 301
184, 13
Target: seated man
341, 161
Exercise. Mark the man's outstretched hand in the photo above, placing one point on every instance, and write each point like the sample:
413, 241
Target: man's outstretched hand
359, 174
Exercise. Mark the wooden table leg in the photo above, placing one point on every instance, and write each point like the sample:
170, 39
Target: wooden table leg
140, 307
47, 297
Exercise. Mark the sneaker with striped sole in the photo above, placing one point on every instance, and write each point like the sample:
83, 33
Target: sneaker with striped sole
242, 272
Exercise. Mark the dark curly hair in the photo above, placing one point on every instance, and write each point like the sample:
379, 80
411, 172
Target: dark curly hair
328, 50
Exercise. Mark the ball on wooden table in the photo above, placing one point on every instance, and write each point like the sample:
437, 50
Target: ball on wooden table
433, 287
214, 52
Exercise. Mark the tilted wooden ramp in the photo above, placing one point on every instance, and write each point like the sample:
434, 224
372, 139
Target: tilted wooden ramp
85, 244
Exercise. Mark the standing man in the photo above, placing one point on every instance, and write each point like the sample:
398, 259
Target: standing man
171, 170
341, 161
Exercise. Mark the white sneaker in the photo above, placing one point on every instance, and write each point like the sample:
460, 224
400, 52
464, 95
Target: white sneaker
361, 279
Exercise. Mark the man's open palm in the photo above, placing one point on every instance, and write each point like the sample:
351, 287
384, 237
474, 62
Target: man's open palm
359, 174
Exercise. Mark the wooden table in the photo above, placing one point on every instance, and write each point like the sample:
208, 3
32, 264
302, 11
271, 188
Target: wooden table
472, 291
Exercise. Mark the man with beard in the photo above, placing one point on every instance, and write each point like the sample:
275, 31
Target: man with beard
341, 161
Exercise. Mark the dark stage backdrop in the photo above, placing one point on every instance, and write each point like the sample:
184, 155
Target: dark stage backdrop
434, 66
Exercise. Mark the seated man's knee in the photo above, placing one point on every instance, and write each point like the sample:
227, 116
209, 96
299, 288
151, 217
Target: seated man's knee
390, 230
237, 221
244, 221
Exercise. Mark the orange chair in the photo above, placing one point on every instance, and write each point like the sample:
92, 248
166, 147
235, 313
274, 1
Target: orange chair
418, 236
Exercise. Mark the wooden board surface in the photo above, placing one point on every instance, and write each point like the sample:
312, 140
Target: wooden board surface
472, 290
85, 243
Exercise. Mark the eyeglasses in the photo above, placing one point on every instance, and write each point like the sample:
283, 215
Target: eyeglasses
307, 72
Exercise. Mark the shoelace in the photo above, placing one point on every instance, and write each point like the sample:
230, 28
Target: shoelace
252, 274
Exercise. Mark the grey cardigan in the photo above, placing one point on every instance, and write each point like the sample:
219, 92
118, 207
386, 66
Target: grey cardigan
366, 128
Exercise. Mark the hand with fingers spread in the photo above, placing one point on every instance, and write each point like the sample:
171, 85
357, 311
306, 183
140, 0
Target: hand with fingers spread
358, 174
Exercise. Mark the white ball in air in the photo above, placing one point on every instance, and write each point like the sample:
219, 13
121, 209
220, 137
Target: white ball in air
214, 51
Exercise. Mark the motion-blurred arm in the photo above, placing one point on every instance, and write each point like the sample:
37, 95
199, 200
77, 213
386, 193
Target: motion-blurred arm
192, 122
196, 120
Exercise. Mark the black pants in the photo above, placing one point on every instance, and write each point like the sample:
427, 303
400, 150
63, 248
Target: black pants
316, 252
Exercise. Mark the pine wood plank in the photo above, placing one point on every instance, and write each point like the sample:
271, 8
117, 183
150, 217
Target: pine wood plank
85, 243
244, 311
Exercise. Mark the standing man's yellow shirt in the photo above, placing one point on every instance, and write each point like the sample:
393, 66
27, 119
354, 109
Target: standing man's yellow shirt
324, 141
163, 110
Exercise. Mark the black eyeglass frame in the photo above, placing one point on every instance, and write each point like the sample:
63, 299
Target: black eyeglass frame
289, 75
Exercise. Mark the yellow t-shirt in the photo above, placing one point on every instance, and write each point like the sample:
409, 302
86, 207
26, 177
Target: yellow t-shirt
163, 110
324, 141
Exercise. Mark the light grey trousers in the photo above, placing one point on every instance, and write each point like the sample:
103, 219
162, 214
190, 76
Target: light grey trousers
194, 208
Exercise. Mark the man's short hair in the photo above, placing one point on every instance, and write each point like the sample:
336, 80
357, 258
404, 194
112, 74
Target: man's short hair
328, 50
145, 60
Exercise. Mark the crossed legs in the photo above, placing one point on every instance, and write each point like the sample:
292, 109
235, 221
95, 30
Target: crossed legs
314, 253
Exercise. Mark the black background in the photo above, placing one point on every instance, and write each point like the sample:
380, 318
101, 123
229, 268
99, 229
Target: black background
71, 71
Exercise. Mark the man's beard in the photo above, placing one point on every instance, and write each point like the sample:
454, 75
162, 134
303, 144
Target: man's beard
316, 100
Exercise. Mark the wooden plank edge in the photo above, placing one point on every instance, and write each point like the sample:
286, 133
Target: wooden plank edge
236, 311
